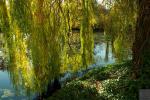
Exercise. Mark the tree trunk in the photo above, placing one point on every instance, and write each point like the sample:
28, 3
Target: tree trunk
141, 46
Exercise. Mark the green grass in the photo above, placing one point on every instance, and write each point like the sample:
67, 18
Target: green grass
112, 82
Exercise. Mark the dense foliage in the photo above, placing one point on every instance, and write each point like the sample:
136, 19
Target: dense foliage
107, 83
41, 40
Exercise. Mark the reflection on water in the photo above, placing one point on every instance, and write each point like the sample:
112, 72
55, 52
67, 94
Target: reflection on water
103, 54
7, 92
29, 80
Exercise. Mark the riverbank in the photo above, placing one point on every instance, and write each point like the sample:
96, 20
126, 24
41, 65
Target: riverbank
112, 82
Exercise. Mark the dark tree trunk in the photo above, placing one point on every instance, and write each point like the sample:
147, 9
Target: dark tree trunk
141, 46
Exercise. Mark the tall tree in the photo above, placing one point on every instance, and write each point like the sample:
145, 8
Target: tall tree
86, 33
141, 46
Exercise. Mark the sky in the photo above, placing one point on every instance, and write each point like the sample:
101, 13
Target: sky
100, 1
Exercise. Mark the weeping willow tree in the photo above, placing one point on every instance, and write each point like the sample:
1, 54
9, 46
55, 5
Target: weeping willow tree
86, 33
34, 41
39, 46
17, 48
4, 20
39, 33
19, 62
72, 57
120, 26
4, 26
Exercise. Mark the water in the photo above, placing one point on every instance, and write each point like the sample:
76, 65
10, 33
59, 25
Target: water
7, 91
103, 55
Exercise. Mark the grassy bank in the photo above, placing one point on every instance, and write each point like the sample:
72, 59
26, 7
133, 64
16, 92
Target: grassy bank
112, 82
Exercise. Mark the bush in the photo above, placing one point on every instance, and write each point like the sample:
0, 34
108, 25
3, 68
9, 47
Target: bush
115, 84
77, 90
